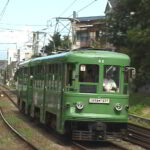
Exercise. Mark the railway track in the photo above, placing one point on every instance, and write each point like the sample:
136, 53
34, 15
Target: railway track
139, 135
11, 95
30, 145
140, 119
99, 146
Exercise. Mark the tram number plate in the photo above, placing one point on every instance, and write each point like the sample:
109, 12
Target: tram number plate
99, 100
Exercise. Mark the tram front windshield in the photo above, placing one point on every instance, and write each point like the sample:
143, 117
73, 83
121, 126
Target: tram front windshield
111, 78
89, 73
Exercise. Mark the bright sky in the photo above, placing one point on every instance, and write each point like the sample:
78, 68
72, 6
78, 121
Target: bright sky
16, 17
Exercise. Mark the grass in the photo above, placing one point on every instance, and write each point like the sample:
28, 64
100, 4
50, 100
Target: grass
5, 140
27, 132
12, 119
138, 102
4, 103
140, 105
142, 124
139, 99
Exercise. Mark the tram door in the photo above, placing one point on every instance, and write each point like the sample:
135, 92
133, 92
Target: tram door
60, 100
53, 93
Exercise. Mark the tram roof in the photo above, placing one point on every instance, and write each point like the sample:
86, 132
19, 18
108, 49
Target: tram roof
75, 55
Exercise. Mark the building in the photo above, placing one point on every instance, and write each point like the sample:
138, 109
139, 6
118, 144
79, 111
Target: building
18, 55
88, 30
3, 66
91, 31
12, 55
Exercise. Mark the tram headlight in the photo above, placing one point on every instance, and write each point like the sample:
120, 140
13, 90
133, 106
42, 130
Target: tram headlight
79, 105
2, 95
118, 107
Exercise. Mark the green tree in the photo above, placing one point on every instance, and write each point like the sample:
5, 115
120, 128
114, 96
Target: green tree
57, 44
129, 28
66, 43
53, 44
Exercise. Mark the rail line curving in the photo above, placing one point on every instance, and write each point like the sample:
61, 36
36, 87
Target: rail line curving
16, 132
136, 135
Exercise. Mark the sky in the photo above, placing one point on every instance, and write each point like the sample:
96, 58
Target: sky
19, 18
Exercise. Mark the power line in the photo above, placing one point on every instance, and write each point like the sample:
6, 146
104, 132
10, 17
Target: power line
10, 29
68, 8
86, 6
22, 24
3, 11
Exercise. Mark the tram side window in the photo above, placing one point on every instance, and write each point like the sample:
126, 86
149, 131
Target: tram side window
111, 78
20, 73
25, 73
52, 77
70, 70
40, 75
31, 76
56, 77
31, 71
89, 73
59, 76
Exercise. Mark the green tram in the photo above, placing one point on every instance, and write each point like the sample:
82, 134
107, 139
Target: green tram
83, 92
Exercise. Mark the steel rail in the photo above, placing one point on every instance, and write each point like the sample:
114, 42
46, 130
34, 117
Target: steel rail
5, 92
139, 119
139, 135
112, 144
79, 146
135, 136
16, 132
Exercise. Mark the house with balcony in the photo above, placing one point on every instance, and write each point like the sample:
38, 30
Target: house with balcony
89, 30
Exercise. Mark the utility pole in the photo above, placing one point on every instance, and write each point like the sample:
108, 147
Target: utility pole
35, 43
18, 56
73, 23
37, 40
74, 29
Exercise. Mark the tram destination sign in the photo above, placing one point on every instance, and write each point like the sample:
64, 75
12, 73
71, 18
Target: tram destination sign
99, 100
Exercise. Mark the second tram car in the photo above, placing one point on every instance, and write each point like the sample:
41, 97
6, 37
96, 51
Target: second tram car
83, 92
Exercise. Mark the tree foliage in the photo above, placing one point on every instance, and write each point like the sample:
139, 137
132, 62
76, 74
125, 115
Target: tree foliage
129, 27
56, 43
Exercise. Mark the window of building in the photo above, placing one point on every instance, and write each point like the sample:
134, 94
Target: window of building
82, 36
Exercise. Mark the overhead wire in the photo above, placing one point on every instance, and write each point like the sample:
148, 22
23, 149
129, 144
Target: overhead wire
9, 29
68, 8
4, 9
86, 6
56, 26
57, 21
22, 24
72, 15
80, 11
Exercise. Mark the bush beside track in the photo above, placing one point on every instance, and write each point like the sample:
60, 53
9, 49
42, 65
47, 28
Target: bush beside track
140, 104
